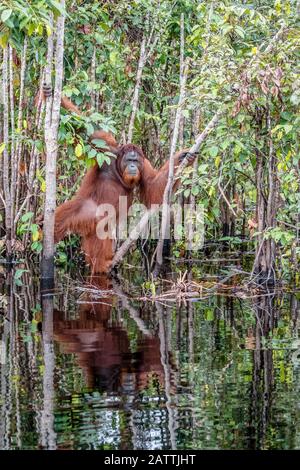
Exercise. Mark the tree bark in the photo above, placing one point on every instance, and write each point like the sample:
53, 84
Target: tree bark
165, 223
93, 78
135, 98
266, 210
6, 160
13, 156
17, 212
51, 131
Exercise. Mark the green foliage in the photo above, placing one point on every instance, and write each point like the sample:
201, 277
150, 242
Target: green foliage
229, 69
18, 276
31, 18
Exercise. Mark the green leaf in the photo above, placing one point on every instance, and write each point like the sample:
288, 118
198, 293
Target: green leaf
37, 246
218, 161
213, 151
27, 216
105, 27
78, 150
288, 128
57, 7
19, 273
100, 143
89, 129
92, 153
4, 39
6, 14
240, 32
209, 314
113, 57
227, 29
203, 168
103, 158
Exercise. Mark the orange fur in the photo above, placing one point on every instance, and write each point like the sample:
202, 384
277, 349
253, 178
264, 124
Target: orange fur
99, 186
67, 104
106, 136
131, 180
154, 181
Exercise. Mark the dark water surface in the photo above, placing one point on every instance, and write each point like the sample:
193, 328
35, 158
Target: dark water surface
112, 373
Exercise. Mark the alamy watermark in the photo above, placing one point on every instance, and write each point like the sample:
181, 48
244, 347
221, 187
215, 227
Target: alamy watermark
187, 221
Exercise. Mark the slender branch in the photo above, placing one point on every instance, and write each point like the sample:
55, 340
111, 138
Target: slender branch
2, 199
19, 122
223, 193
6, 165
133, 236
13, 162
165, 223
18, 215
135, 98
131, 310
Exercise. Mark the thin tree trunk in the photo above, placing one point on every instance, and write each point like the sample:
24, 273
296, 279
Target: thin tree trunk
266, 210
138, 82
192, 199
165, 223
6, 160
13, 156
272, 202
93, 77
182, 41
51, 130
19, 125
48, 436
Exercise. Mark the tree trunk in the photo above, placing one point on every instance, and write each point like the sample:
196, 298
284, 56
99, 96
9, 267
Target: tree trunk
48, 436
135, 98
6, 159
266, 210
51, 131
165, 222
19, 146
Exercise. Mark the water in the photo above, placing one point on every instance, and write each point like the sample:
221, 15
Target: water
116, 373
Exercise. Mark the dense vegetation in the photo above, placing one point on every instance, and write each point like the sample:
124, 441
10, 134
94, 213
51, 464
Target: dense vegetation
243, 61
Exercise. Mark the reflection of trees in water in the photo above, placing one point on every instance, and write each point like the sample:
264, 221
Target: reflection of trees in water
7, 368
47, 434
125, 358
274, 415
22, 391
200, 376
19, 375
240, 400
263, 380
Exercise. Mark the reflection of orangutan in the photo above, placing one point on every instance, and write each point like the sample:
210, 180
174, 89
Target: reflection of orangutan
103, 350
105, 185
